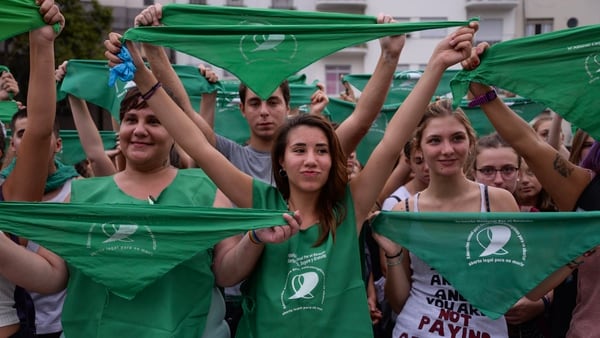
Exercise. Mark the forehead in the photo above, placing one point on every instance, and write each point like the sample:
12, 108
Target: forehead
443, 125
20, 123
306, 135
252, 95
140, 113
497, 156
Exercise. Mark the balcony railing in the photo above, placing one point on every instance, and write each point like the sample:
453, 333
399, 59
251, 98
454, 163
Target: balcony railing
492, 4
343, 6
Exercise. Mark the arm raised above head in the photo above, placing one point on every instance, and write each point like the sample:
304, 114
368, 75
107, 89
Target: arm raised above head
369, 182
563, 180
26, 182
236, 185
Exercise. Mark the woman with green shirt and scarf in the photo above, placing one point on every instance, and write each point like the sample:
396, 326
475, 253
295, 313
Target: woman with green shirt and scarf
307, 285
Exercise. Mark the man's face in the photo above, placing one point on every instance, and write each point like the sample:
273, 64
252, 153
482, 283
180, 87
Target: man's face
264, 116
17, 138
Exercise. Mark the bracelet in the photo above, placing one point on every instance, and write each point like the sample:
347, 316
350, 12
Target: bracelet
574, 264
152, 91
254, 237
546, 304
396, 255
398, 262
485, 98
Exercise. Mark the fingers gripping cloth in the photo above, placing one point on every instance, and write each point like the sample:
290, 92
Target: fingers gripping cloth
123, 71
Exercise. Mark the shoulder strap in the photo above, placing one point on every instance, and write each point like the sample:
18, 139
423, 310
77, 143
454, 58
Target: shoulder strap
487, 198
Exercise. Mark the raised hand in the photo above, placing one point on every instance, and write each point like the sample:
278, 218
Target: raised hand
51, 14
390, 45
208, 73
456, 47
61, 71
8, 86
318, 100
149, 17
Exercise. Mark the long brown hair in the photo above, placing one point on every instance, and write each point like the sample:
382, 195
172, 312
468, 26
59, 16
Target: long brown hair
332, 209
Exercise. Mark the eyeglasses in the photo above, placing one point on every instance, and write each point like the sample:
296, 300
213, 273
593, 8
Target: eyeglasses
507, 172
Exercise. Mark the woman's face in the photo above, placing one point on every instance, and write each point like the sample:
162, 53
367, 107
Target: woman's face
143, 139
529, 187
445, 146
307, 159
498, 167
585, 147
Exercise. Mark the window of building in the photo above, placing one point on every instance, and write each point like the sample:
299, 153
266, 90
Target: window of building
148, 2
434, 33
490, 30
537, 26
198, 2
238, 3
282, 4
333, 76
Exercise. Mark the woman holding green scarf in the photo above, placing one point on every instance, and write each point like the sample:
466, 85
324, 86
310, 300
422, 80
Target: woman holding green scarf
301, 281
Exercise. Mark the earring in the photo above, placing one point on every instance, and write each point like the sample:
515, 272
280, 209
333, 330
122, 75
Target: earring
282, 173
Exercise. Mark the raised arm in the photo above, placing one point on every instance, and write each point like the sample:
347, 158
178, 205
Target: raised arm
563, 180
26, 182
236, 185
356, 126
89, 136
164, 72
208, 104
369, 182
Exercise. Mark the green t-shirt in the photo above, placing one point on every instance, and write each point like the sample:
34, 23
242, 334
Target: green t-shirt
175, 305
298, 290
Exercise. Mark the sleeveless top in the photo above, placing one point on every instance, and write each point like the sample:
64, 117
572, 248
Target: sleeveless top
584, 322
8, 314
48, 307
435, 309
183, 303
298, 290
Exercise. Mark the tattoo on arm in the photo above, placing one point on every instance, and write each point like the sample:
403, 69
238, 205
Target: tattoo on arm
562, 166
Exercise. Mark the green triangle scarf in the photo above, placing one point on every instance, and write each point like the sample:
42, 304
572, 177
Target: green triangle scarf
19, 16
560, 70
128, 247
493, 259
54, 180
263, 47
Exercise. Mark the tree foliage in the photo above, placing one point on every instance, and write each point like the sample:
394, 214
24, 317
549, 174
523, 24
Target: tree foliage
87, 25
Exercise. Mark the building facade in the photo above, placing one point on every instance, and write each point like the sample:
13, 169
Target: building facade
500, 20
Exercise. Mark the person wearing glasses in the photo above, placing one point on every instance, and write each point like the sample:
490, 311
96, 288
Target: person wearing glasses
446, 139
496, 163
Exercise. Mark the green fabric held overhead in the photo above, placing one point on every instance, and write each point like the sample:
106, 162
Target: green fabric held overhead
87, 79
72, 151
265, 46
339, 110
128, 247
560, 70
19, 16
402, 84
7, 110
493, 259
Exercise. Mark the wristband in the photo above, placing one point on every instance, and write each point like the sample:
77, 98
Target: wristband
254, 237
394, 256
485, 98
151, 92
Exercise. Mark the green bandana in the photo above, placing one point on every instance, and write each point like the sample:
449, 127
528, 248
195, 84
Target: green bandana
262, 47
55, 180
86, 79
20, 16
559, 69
128, 247
72, 151
493, 259
339, 110
7, 110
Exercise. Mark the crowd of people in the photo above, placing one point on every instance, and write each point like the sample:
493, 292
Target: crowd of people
324, 273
